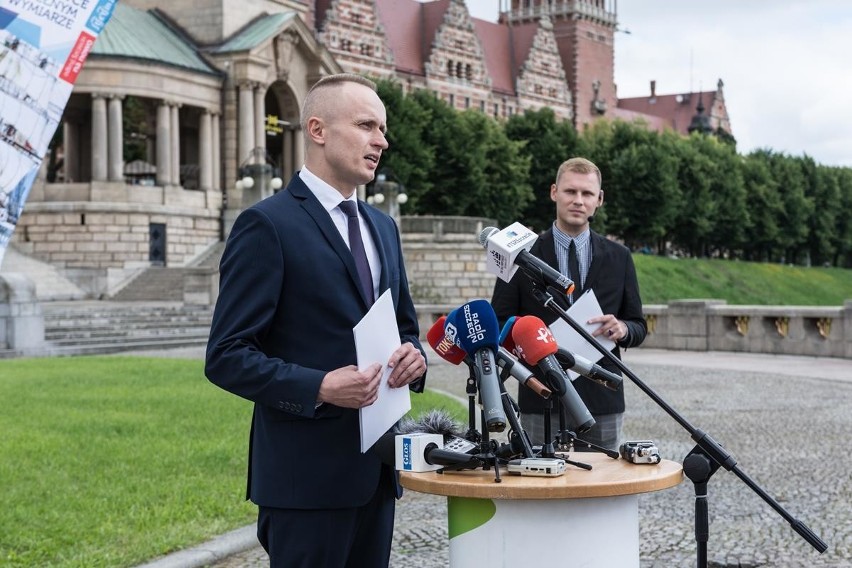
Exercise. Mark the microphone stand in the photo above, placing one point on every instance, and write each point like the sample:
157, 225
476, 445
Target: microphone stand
510, 407
472, 435
706, 450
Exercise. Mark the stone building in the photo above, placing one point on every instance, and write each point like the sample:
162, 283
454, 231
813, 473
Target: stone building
188, 111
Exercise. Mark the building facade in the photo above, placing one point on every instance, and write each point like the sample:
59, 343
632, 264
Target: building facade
186, 112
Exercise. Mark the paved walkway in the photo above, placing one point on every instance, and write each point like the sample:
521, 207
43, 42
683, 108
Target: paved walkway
787, 421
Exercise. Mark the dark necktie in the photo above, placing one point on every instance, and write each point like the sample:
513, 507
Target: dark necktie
574, 269
356, 245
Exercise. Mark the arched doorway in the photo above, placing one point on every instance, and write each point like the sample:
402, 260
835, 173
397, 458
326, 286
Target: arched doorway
283, 132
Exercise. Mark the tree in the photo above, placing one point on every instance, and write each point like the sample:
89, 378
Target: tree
822, 189
408, 156
797, 207
762, 235
548, 143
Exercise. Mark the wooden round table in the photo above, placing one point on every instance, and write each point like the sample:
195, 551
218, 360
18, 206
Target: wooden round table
581, 518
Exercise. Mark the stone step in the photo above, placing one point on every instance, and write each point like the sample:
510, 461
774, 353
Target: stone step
144, 320
144, 344
155, 283
167, 335
92, 327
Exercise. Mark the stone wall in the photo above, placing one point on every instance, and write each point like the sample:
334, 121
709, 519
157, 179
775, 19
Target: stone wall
102, 239
444, 260
713, 325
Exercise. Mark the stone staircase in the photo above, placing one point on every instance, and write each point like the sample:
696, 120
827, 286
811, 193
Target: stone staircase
148, 313
95, 327
154, 284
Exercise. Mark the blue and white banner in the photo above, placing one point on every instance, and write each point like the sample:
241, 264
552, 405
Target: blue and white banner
43, 45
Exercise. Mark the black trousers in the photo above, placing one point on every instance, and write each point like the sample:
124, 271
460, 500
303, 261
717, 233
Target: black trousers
357, 537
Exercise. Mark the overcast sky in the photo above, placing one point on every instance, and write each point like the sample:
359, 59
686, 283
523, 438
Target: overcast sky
786, 65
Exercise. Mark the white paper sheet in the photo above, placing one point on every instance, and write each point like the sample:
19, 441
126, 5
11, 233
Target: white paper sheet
585, 308
376, 338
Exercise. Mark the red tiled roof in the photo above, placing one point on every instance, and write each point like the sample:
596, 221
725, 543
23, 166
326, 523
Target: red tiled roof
433, 17
402, 22
677, 110
496, 46
657, 123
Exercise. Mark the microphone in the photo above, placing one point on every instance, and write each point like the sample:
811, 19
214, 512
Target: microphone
449, 351
516, 369
508, 251
537, 346
507, 361
586, 368
506, 335
473, 327
443, 345
423, 444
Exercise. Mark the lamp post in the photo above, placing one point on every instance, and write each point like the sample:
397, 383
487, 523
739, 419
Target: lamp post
388, 194
257, 177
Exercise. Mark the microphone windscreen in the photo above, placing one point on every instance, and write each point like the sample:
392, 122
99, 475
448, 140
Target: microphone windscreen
435, 421
442, 344
473, 326
486, 233
533, 339
506, 340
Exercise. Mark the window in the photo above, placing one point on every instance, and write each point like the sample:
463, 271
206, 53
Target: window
345, 45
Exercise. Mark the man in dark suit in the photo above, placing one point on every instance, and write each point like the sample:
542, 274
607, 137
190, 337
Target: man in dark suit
291, 291
599, 264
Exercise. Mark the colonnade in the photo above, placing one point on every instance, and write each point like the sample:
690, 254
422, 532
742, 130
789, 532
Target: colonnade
107, 140
107, 143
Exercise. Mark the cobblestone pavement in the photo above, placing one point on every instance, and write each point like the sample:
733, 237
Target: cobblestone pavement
789, 435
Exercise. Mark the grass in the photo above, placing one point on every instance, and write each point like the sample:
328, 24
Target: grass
112, 461
662, 280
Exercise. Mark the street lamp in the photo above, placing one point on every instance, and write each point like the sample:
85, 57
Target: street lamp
258, 177
388, 193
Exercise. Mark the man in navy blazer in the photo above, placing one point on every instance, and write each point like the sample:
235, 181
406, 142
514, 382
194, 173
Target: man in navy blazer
281, 337
605, 267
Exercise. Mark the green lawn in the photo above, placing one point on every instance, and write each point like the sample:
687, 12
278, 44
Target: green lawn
662, 280
111, 461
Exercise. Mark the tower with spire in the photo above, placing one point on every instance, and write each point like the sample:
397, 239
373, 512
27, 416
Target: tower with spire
584, 31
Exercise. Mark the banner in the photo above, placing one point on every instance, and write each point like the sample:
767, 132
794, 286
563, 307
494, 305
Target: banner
43, 44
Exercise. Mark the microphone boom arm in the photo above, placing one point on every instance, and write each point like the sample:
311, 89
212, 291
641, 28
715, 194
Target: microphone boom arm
707, 445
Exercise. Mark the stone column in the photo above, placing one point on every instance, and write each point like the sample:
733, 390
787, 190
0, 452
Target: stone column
175, 143
164, 142
216, 151
115, 147
99, 138
288, 149
205, 152
21, 318
245, 125
70, 141
260, 119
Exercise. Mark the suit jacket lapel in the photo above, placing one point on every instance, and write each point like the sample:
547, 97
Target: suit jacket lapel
600, 252
312, 207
